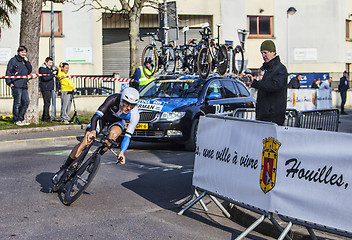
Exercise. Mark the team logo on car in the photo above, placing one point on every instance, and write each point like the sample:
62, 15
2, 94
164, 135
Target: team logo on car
269, 164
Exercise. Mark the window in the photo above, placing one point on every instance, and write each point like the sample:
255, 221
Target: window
243, 90
260, 26
230, 91
215, 87
349, 30
45, 28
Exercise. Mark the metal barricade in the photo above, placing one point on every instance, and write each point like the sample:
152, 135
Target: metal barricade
291, 116
322, 119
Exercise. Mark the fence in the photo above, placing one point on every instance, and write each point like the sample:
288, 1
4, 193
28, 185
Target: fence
85, 85
323, 119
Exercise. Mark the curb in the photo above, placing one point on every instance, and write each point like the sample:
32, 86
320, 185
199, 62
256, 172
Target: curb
39, 141
41, 129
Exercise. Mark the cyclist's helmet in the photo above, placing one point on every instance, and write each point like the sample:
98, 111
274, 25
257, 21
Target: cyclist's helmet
130, 95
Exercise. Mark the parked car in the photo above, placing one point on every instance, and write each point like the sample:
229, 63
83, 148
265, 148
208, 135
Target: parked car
170, 107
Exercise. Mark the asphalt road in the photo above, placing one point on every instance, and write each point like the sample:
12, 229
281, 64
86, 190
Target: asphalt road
132, 201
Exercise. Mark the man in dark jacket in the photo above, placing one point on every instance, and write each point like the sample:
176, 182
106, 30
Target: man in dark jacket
295, 82
46, 85
343, 87
272, 89
19, 66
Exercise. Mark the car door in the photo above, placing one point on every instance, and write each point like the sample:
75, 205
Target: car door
232, 99
246, 98
214, 95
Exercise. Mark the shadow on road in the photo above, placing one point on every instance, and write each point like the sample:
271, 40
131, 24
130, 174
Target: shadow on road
44, 179
167, 188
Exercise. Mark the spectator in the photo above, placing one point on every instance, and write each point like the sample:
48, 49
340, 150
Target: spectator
140, 80
326, 84
19, 65
46, 85
316, 83
295, 82
343, 87
67, 91
272, 89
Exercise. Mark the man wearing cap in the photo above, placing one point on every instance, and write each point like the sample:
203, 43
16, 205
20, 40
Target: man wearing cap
272, 89
140, 80
295, 82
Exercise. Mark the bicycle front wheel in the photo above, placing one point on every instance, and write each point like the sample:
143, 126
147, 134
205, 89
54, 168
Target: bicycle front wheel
222, 60
203, 63
238, 60
82, 179
149, 53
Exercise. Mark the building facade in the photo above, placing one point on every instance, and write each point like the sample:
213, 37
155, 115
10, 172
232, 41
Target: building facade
317, 38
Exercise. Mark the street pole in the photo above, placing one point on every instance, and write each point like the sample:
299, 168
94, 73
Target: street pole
165, 22
52, 54
290, 11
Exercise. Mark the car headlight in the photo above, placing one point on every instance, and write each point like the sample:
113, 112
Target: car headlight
172, 116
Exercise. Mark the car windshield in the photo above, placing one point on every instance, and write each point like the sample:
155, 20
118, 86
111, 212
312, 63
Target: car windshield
172, 89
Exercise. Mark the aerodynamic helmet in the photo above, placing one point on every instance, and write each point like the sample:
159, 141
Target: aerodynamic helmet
130, 95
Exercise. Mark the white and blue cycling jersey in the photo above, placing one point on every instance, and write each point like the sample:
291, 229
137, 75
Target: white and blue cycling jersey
109, 114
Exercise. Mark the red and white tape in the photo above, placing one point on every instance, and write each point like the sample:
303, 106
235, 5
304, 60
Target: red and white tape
105, 78
28, 76
90, 78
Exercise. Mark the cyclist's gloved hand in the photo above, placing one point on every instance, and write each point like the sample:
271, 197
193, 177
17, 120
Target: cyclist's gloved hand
91, 135
121, 155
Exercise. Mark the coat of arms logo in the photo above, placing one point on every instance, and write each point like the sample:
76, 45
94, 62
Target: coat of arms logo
269, 164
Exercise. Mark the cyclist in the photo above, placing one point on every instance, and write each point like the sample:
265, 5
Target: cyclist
112, 113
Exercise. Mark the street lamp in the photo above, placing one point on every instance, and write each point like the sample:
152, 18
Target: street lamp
290, 11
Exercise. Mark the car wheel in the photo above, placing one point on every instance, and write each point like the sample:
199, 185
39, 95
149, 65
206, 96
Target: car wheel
191, 142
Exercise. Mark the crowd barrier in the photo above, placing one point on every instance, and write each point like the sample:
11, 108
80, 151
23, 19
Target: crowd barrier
304, 177
322, 119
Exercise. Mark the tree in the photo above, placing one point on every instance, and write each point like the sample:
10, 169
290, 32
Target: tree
6, 7
133, 12
29, 36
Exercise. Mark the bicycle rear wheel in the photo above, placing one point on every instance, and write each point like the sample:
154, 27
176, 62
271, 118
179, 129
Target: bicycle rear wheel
203, 63
82, 179
149, 52
223, 61
71, 169
238, 60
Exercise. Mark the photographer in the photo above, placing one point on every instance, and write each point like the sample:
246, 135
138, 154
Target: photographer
67, 91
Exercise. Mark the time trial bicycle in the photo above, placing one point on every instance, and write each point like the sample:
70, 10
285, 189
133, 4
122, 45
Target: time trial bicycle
81, 172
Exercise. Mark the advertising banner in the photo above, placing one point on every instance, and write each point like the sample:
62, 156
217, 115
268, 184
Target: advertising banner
309, 99
301, 173
301, 99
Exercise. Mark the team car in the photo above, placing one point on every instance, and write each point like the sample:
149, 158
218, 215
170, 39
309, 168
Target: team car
170, 106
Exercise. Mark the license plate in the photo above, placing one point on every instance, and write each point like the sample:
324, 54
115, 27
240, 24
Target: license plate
139, 126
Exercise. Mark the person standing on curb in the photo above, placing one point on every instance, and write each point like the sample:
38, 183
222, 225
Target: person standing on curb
272, 89
67, 91
343, 87
19, 65
46, 85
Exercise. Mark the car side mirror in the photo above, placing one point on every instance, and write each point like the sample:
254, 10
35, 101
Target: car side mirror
214, 95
